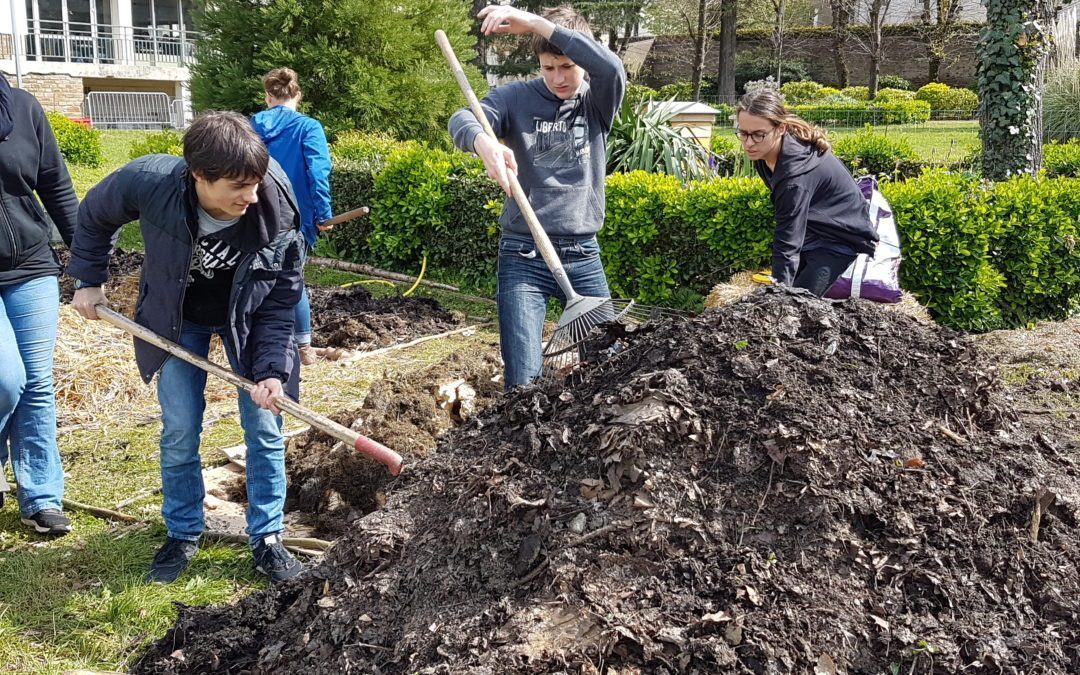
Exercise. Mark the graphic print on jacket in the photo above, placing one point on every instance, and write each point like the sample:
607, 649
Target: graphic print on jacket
564, 142
213, 266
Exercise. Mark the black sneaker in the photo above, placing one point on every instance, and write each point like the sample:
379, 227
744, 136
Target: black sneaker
171, 559
273, 560
48, 521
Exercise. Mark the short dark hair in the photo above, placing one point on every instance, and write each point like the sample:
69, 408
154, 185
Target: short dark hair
223, 145
564, 16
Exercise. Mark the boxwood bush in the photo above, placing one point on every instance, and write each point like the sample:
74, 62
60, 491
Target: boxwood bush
980, 256
78, 144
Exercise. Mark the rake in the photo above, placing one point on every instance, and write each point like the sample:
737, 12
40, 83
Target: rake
581, 314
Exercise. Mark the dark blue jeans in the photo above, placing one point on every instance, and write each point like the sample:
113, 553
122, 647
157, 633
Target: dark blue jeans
28, 315
181, 394
525, 284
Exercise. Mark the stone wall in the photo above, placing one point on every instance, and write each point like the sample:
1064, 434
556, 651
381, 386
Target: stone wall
905, 55
57, 93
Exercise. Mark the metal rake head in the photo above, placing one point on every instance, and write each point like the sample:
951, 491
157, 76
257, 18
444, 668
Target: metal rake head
578, 339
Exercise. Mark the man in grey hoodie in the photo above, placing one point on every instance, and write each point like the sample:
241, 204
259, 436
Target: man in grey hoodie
554, 131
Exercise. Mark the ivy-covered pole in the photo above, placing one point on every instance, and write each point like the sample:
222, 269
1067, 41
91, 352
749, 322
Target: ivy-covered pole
1013, 49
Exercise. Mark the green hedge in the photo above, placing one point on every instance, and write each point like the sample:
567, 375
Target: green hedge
877, 154
1062, 159
857, 113
167, 142
78, 144
979, 256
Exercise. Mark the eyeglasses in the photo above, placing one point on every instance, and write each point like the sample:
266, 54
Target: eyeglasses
755, 136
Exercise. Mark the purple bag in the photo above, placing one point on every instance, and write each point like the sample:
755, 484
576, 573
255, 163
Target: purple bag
876, 278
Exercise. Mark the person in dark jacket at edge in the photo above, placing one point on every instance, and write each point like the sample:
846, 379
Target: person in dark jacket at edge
224, 256
822, 219
30, 162
298, 143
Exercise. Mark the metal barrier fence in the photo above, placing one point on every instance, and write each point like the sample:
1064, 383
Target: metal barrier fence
133, 110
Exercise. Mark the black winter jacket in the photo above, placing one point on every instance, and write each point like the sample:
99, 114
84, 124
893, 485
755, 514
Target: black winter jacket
31, 162
815, 198
159, 191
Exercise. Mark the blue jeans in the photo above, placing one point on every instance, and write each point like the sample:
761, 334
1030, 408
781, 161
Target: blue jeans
525, 284
302, 320
181, 395
28, 315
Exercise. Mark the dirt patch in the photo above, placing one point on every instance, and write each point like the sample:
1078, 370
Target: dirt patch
334, 485
352, 318
784, 485
122, 288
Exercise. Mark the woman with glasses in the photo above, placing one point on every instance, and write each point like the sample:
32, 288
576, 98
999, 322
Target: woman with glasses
822, 219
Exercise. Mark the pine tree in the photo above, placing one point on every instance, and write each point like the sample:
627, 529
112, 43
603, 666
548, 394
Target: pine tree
363, 64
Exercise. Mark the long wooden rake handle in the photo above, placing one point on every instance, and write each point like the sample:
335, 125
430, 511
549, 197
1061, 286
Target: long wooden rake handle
364, 445
348, 215
550, 255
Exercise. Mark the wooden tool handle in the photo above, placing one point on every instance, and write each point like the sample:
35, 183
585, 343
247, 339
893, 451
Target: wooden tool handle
348, 215
361, 443
550, 255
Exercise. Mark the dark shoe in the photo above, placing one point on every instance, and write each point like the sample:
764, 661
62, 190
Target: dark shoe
48, 521
170, 560
273, 560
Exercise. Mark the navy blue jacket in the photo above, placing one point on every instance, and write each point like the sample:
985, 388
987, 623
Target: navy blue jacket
159, 192
818, 205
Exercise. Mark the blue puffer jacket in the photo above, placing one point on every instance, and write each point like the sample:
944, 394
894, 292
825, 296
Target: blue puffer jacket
159, 192
298, 143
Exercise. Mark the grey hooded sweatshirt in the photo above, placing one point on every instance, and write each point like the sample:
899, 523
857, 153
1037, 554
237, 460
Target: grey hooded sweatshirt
560, 146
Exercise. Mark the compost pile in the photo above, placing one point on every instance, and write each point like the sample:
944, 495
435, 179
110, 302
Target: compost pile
780, 485
353, 318
408, 412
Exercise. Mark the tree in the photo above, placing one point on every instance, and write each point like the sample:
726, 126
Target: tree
841, 17
729, 17
363, 64
940, 28
873, 45
697, 19
1013, 53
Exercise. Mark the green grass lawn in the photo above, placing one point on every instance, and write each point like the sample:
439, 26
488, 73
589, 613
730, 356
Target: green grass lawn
942, 142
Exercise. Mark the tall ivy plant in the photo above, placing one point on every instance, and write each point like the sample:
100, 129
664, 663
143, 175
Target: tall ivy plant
1014, 47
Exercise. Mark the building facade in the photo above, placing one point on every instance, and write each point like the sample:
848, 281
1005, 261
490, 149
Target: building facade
120, 62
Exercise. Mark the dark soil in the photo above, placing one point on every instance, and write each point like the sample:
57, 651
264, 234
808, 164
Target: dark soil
352, 318
337, 485
784, 485
122, 288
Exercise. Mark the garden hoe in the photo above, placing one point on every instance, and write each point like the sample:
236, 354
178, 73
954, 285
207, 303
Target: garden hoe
580, 314
373, 449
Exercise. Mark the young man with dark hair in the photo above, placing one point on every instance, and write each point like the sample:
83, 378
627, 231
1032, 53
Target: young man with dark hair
555, 130
224, 256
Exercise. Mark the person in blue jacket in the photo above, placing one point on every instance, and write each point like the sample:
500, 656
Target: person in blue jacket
298, 143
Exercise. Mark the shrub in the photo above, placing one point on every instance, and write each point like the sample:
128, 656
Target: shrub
894, 82
1062, 159
754, 65
78, 144
637, 93
828, 91
1035, 248
946, 235
644, 140
888, 95
757, 85
963, 102
1061, 102
857, 93
862, 112
352, 185
726, 152
805, 91
869, 152
936, 94
367, 146
166, 142
679, 91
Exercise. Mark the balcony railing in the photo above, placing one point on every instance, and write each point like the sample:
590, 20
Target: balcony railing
69, 42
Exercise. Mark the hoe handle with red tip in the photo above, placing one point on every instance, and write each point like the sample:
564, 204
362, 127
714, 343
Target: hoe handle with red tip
373, 449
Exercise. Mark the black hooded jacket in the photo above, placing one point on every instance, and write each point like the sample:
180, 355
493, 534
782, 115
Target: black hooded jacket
817, 202
30, 163
159, 192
